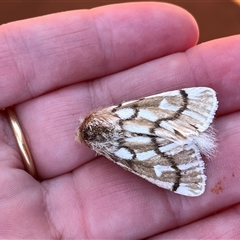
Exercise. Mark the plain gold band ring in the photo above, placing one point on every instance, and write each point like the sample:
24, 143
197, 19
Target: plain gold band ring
22, 143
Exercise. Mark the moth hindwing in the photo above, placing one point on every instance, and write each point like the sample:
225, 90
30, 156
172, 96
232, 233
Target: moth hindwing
159, 138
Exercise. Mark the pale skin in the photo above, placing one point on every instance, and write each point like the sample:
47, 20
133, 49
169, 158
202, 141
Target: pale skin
56, 69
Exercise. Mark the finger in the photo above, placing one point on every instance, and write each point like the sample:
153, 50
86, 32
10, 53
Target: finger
46, 53
213, 64
223, 225
9, 157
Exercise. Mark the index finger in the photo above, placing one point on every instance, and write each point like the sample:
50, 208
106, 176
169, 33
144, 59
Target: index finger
42, 54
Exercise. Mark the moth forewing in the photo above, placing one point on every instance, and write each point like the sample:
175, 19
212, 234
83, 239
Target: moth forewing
159, 138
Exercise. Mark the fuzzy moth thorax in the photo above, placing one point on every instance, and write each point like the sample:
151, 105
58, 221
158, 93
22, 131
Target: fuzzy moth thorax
98, 130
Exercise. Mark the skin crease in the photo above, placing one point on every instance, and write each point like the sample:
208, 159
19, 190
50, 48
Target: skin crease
57, 68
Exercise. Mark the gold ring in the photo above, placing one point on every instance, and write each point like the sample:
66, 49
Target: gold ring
22, 143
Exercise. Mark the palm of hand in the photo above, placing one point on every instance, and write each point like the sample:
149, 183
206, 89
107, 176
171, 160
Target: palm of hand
92, 59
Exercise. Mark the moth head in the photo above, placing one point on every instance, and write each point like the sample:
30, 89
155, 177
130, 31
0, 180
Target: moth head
95, 130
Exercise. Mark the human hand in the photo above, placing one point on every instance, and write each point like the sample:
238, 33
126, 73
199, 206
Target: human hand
57, 68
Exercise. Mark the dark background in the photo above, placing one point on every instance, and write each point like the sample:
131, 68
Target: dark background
216, 19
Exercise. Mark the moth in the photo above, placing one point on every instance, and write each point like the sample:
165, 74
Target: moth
160, 138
